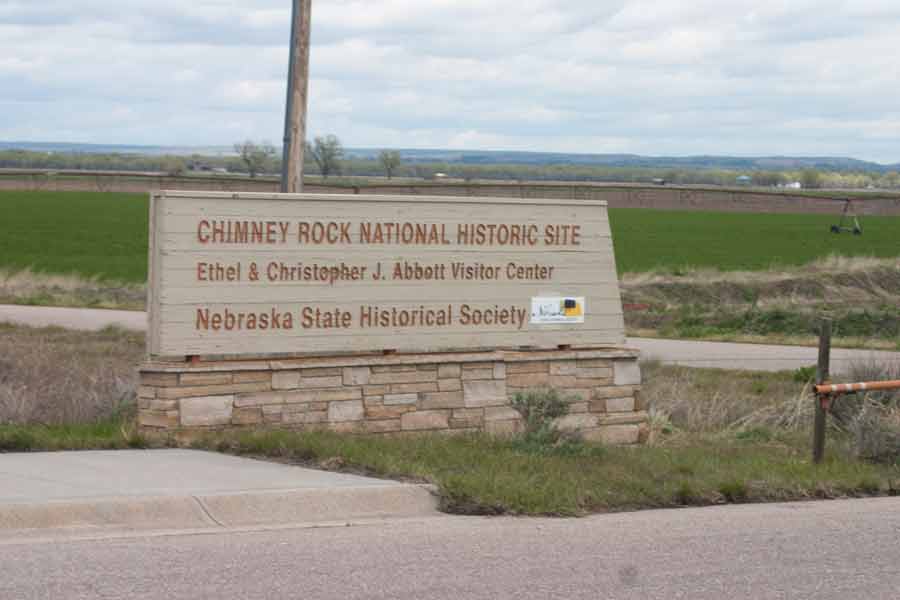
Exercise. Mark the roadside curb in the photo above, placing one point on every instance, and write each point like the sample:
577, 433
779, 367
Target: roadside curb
224, 510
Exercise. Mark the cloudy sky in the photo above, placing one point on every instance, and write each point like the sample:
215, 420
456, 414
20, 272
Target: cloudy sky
662, 77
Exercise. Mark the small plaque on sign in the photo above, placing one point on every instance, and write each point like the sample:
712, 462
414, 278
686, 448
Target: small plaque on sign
559, 309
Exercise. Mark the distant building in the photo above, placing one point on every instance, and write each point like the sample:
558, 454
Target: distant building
794, 185
743, 180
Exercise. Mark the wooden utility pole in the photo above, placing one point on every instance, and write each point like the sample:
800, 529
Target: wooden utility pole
297, 90
822, 375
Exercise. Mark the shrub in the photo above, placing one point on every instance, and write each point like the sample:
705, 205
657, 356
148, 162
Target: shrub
540, 408
876, 432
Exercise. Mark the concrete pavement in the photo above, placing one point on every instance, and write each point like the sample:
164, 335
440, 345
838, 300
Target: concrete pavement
187, 489
830, 550
723, 355
754, 357
86, 319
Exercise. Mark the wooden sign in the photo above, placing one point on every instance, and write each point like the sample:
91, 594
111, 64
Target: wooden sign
270, 274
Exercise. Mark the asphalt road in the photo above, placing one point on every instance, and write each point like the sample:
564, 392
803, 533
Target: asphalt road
822, 550
757, 357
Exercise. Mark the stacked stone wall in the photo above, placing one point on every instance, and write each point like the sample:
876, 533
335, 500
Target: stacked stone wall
395, 394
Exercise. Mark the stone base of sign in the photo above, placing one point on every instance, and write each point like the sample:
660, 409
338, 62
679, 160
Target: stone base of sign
392, 394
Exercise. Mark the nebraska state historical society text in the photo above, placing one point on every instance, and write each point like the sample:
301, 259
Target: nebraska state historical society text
315, 317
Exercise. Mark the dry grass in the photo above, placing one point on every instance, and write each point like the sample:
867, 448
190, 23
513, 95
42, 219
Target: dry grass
826, 266
688, 400
872, 418
54, 376
835, 280
861, 295
684, 402
28, 287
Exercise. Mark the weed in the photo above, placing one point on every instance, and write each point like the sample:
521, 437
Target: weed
869, 486
805, 374
685, 494
734, 491
755, 434
540, 409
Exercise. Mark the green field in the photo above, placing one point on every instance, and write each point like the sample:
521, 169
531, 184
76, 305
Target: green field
105, 234
647, 239
87, 233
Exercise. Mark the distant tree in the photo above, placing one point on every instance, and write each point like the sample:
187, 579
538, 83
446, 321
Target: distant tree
390, 160
767, 178
174, 166
255, 157
327, 152
811, 179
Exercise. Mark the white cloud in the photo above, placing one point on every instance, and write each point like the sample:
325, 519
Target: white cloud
651, 76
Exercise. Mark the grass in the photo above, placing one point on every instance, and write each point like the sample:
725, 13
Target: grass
104, 235
90, 234
680, 241
110, 434
477, 474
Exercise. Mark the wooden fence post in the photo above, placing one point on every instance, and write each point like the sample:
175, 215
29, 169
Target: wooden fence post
822, 375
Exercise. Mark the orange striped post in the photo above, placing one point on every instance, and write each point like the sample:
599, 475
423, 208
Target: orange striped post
836, 389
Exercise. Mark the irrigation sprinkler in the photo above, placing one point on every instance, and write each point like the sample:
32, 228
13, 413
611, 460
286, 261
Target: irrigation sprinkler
849, 222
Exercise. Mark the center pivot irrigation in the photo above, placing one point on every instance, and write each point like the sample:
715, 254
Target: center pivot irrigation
849, 222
